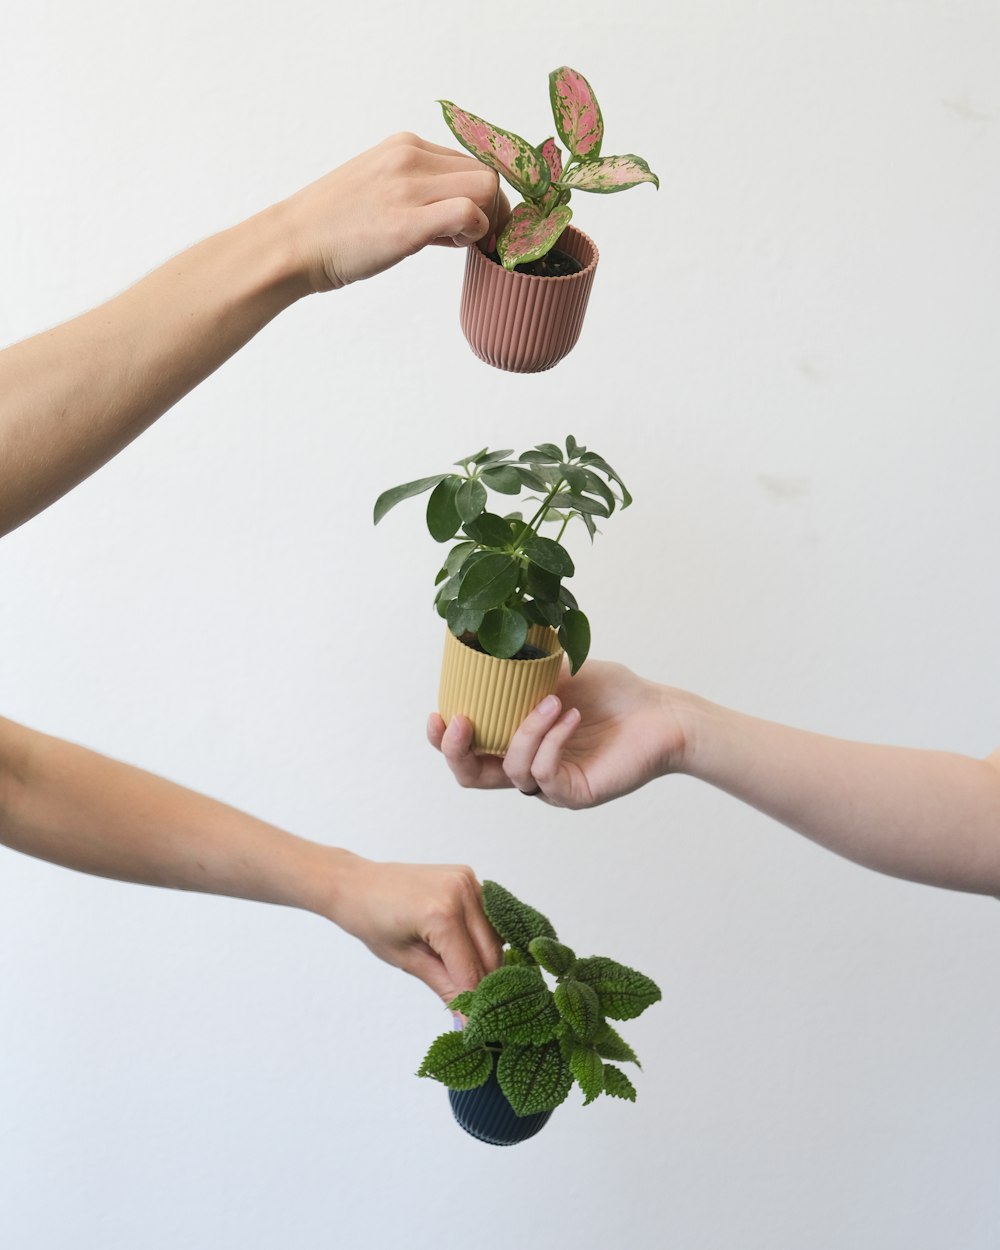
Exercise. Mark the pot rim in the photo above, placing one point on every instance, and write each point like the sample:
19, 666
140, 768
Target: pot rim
534, 277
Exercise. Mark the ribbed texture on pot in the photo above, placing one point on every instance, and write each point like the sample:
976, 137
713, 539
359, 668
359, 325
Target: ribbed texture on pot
496, 695
489, 1117
521, 323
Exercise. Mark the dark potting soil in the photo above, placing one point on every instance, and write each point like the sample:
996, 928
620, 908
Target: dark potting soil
527, 652
554, 264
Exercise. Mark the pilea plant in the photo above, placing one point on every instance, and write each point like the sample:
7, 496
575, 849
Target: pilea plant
503, 575
537, 172
541, 1039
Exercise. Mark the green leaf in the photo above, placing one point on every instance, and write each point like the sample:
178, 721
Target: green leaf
513, 958
389, 498
574, 638
504, 478
541, 584
467, 460
580, 503
578, 1005
516, 922
529, 478
493, 457
534, 1078
552, 955
617, 1084
456, 1065
513, 1005
591, 525
548, 555
550, 452
470, 499
597, 462
463, 620
458, 556
573, 448
567, 598
490, 530
596, 486
623, 992
609, 1044
586, 1066
489, 581
575, 477
463, 1002
442, 514
549, 613
502, 632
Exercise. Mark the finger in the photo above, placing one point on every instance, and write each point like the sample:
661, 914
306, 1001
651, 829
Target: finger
547, 767
525, 743
484, 772
459, 218
484, 936
429, 968
462, 967
435, 730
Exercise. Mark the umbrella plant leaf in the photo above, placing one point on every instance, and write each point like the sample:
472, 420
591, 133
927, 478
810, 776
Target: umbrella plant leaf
389, 498
489, 530
492, 457
548, 555
463, 620
489, 581
511, 156
470, 499
530, 234
443, 519
576, 111
502, 632
581, 503
505, 478
597, 462
574, 638
609, 174
458, 556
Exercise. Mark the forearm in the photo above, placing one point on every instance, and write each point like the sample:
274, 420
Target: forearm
73, 397
926, 816
81, 810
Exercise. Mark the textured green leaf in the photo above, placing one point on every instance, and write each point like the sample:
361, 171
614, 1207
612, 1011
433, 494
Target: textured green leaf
578, 1005
609, 174
463, 620
502, 632
574, 638
512, 1005
442, 513
586, 1066
624, 993
463, 1002
389, 498
455, 1064
470, 499
516, 922
609, 1044
548, 555
576, 111
534, 1078
490, 530
617, 1084
505, 478
553, 956
489, 581
513, 958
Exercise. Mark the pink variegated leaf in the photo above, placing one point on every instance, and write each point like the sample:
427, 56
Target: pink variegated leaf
511, 156
530, 234
608, 174
552, 156
577, 113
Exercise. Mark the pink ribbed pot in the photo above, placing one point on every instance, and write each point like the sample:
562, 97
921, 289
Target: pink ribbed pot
522, 323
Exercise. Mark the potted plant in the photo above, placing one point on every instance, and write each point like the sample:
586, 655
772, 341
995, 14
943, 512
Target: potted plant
525, 1042
501, 587
523, 306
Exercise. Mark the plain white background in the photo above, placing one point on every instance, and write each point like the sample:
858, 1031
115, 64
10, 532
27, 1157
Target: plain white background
790, 355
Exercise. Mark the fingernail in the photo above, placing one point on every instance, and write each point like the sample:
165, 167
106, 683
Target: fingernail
548, 705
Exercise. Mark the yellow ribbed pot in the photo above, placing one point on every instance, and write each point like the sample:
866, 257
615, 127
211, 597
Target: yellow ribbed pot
496, 695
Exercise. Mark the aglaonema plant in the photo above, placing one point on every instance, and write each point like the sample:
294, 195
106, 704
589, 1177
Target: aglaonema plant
541, 1038
539, 174
504, 575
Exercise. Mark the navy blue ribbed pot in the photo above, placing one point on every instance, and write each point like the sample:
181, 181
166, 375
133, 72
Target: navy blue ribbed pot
489, 1117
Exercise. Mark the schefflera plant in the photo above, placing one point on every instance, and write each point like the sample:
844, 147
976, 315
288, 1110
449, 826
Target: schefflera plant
541, 1038
539, 173
503, 575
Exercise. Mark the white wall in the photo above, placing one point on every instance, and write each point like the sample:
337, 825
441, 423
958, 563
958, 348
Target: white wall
791, 355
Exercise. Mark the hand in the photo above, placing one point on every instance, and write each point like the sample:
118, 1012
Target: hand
426, 919
618, 732
389, 203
